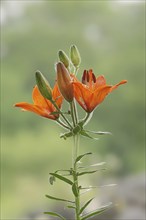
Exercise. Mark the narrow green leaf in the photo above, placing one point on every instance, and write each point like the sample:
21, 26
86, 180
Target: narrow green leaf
55, 214
58, 199
62, 178
63, 171
111, 185
98, 164
96, 212
84, 133
66, 135
92, 165
71, 207
75, 189
80, 156
99, 132
89, 187
52, 180
87, 172
84, 206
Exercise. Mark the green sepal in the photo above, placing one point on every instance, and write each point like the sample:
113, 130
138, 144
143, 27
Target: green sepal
84, 206
81, 156
64, 179
66, 135
58, 199
55, 214
75, 189
96, 212
87, 172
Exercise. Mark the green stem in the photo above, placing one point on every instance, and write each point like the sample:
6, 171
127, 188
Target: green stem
62, 124
72, 113
65, 119
87, 118
75, 176
75, 112
76, 70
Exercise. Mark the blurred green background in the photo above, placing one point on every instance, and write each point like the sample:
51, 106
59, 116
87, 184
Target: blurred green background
110, 37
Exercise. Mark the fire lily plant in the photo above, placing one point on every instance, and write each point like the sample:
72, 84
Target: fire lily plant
47, 102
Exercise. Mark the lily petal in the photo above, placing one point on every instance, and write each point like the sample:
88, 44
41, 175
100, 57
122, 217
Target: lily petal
99, 96
116, 86
35, 109
100, 81
57, 95
39, 100
42, 106
82, 94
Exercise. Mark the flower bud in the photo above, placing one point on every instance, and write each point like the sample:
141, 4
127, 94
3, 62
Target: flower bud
64, 82
75, 56
43, 86
63, 58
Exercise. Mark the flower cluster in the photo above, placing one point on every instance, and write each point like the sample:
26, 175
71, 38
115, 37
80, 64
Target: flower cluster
89, 92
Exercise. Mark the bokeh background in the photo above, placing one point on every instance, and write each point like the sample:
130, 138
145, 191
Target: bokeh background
110, 37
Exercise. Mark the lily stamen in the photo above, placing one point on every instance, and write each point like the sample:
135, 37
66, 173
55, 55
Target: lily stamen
84, 77
88, 78
93, 78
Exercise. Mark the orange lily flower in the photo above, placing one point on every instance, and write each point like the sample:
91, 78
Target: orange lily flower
41, 105
92, 91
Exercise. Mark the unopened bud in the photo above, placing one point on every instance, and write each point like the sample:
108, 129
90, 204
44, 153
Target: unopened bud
64, 82
43, 86
75, 56
63, 58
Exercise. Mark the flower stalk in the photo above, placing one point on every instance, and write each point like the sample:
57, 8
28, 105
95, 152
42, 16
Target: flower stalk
65, 119
47, 102
75, 176
62, 124
72, 113
75, 112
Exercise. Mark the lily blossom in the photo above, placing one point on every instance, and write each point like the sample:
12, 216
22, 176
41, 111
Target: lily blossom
92, 91
42, 106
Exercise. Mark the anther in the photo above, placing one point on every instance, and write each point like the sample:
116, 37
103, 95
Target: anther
93, 78
87, 76
84, 76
